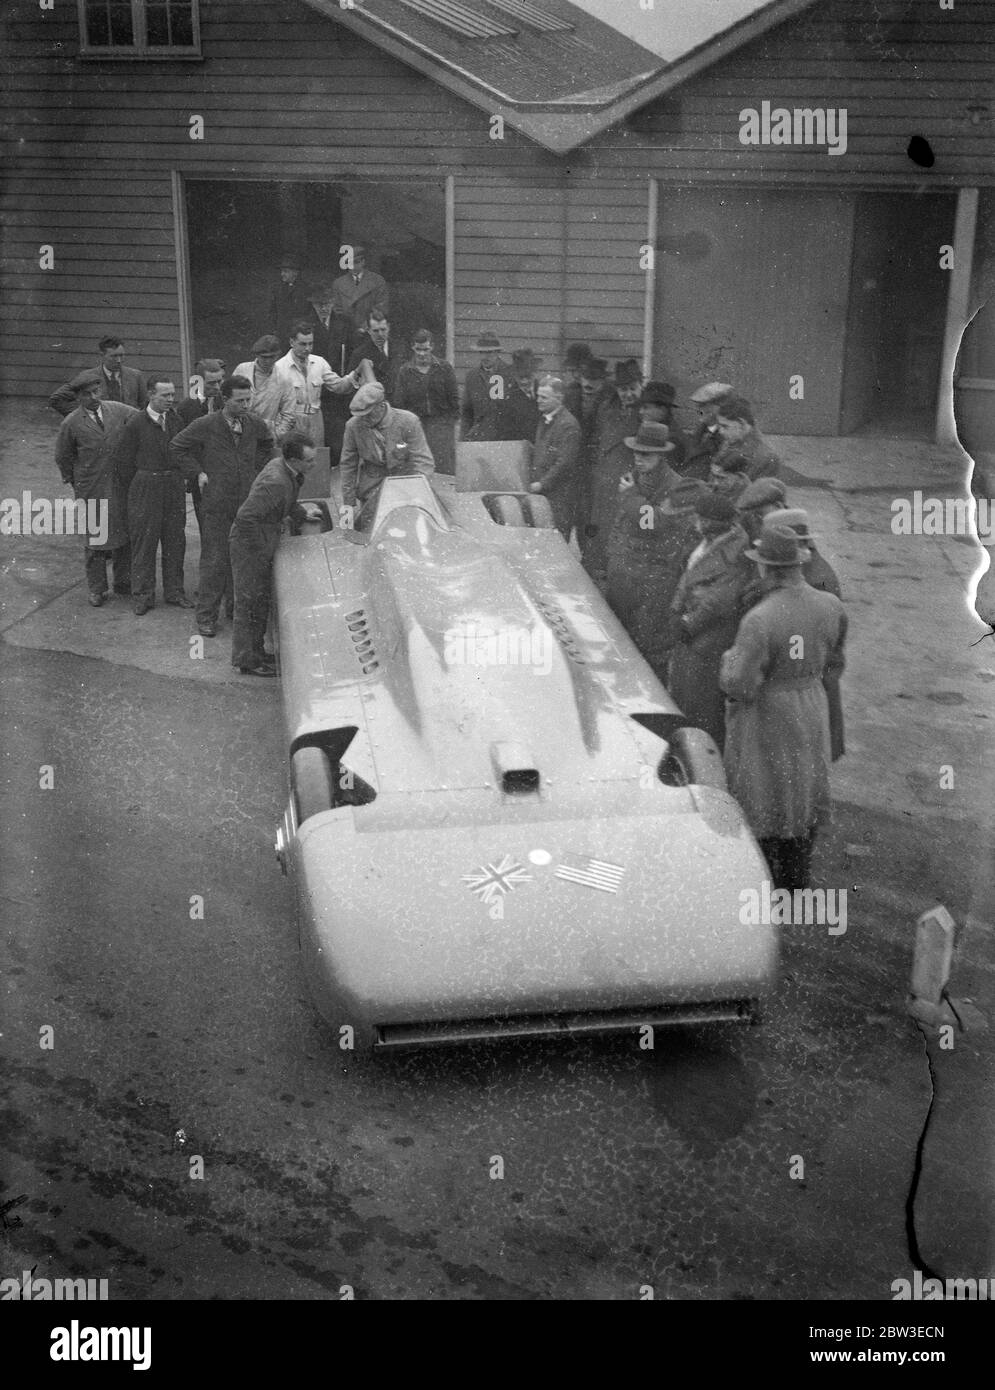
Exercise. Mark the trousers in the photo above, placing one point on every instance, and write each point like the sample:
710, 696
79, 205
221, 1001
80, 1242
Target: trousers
157, 515
95, 564
790, 860
252, 568
215, 565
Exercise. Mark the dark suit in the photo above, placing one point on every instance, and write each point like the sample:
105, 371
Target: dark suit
386, 365
152, 481
288, 304
355, 302
518, 417
254, 536
189, 410
231, 463
480, 412
129, 390
554, 466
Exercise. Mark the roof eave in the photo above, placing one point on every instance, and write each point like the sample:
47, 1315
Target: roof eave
559, 132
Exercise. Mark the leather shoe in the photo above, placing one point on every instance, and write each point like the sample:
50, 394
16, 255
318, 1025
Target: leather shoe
181, 602
96, 600
207, 629
264, 670
143, 606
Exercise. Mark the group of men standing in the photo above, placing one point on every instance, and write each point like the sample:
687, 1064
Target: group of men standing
689, 536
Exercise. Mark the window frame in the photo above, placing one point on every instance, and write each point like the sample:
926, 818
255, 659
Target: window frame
140, 49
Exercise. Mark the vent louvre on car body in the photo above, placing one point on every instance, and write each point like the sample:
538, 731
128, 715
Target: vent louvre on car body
362, 642
557, 620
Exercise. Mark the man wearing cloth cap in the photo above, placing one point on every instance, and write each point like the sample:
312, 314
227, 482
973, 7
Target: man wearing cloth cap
705, 614
290, 301
271, 397
485, 389
608, 462
777, 746
84, 453
817, 572
756, 500
704, 441
379, 439
649, 541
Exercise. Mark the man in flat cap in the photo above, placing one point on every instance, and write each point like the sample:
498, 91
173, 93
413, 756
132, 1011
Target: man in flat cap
756, 500
379, 440
704, 441
556, 454
117, 382
84, 456
648, 542
485, 389
272, 398
740, 437
289, 302
608, 460
705, 613
777, 746
518, 418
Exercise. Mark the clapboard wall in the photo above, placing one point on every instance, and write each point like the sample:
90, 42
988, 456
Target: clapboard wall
547, 248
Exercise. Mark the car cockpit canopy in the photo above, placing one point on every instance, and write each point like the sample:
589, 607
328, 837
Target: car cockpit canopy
408, 490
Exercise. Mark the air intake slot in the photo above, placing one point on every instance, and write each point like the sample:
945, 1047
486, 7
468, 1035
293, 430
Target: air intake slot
516, 769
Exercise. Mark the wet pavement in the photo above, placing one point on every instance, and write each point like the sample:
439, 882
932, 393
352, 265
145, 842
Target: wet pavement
179, 1037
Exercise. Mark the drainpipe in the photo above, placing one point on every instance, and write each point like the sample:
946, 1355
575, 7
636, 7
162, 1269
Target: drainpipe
649, 307
958, 307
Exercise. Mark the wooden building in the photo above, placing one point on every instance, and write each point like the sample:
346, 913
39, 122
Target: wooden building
519, 165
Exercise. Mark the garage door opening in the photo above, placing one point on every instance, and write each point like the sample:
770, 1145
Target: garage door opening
237, 232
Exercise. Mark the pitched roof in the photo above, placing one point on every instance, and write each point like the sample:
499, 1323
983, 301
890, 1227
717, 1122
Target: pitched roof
558, 71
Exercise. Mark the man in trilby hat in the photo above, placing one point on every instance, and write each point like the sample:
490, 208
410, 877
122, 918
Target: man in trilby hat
777, 744
485, 389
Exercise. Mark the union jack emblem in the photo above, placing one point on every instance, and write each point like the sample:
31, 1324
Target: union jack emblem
493, 879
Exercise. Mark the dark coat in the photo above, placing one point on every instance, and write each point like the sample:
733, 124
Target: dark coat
386, 365
434, 397
646, 552
608, 460
700, 447
707, 605
480, 413
761, 461
335, 342
207, 445
143, 446
777, 748
132, 389
259, 520
355, 302
554, 466
518, 417
84, 455
288, 304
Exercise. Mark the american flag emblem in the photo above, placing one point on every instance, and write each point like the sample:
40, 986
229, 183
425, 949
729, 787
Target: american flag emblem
592, 873
493, 879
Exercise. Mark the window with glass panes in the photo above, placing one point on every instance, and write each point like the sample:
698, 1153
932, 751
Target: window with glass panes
157, 28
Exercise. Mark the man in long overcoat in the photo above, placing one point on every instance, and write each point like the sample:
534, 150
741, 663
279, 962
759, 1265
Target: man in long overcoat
777, 745
556, 454
84, 454
650, 540
609, 461
817, 571
705, 614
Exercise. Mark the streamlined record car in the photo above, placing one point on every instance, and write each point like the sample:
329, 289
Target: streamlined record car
499, 822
